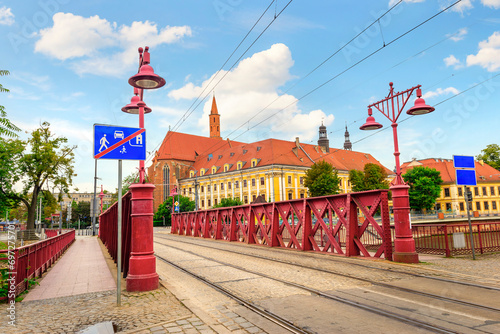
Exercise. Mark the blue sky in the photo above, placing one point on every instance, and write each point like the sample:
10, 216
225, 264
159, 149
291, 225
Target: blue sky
70, 61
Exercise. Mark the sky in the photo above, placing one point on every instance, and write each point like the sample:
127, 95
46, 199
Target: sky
301, 64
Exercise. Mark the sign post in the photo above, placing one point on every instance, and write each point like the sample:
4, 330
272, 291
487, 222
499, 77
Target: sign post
119, 143
466, 176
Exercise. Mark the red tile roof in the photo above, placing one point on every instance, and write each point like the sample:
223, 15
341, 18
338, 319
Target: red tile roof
281, 152
183, 146
484, 172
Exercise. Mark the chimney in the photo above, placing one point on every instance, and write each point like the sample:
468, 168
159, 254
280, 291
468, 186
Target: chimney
229, 143
297, 143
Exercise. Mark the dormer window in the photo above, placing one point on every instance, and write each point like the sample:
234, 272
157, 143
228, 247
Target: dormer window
238, 165
202, 171
191, 173
214, 170
255, 162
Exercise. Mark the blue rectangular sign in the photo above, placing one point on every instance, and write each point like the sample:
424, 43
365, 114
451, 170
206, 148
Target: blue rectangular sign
466, 177
463, 161
119, 142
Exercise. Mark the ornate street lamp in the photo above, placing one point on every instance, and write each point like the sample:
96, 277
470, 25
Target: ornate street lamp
144, 79
391, 107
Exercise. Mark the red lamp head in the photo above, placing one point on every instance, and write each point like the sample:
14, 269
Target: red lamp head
146, 79
420, 108
133, 106
370, 122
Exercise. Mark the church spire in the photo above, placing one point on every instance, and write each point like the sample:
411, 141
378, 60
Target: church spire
347, 143
214, 121
323, 141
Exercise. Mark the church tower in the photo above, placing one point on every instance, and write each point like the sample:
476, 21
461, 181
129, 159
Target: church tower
347, 142
214, 118
323, 141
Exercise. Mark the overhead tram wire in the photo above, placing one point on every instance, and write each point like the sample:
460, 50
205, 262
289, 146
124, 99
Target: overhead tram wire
238, 60
350, 67
316, 68
184, 117
227, 60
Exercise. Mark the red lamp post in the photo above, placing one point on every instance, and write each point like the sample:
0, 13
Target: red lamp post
142, 274
391, 107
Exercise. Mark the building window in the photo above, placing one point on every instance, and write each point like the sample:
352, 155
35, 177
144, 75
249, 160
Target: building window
166, 182
498, 190
484, 191
244, 183
226, 168
253, 182
460, 191
289, 179
461, 206
301, 180
494, 205
229, 185
448, 206
222, 186
478, 206
492, 191
238, 165
209, 203
246, 199
215, 201
476, 191
289, 196
236, 184
438, 207
262, 181
301, 195
486, 206
202, 172
202, 203
208, 189
254, 163
202, 189
253, 198
446, 192
215, 187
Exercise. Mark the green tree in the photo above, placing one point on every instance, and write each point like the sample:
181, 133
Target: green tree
425, 187
372, 177
6, 127
11, 151
48, 162
491, 155
322, 179
227, 202
82, 211
165, 209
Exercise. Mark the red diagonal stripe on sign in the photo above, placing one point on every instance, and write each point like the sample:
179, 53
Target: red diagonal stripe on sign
121, 142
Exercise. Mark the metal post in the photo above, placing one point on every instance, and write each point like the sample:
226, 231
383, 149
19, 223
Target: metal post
93, 200
60, 216
119, 238
196, 194
466, 192
40, 217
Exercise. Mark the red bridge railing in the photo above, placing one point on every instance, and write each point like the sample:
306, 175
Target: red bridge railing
454, 239
108, 230
341, 224
31, 261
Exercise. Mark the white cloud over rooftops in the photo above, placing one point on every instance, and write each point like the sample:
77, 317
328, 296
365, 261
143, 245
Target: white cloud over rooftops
83, 40
6, 16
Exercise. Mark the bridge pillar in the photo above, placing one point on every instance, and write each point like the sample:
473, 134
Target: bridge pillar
142, 274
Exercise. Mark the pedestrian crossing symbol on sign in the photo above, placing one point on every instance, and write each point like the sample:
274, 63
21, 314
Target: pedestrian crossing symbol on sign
119, 143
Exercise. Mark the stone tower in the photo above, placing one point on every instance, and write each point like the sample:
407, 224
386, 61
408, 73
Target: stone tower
323, 141
347, 142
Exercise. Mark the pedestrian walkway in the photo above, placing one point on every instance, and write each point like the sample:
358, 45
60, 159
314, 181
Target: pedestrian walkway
82, 269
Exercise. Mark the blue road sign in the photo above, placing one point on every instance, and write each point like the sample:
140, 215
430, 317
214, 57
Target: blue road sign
466, 177
463, 161
119, 143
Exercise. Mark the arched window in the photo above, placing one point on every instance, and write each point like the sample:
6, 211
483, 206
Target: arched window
166, 182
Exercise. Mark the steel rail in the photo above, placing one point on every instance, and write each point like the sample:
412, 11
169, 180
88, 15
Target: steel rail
385, 313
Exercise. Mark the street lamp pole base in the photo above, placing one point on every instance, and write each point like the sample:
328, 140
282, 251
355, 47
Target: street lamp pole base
142, 274
405, 257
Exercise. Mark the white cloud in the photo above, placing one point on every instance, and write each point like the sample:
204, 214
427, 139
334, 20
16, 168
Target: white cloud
460, 7
488, 55
491, 3
440, 91
393, 2
6, 16
83, 41
452, 61
249, 89
459, 35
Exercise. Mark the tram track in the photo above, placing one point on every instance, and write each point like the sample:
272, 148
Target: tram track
353, 303
342, 261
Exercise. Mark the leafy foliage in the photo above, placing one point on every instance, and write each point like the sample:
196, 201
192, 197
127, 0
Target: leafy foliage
491, 155
48, 162
425, 187
227, 202
165, 209
373, 177
11, 152
322, 179
6, 126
